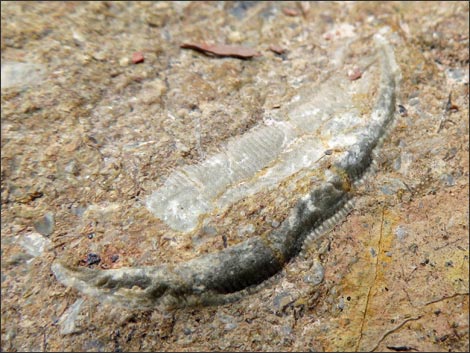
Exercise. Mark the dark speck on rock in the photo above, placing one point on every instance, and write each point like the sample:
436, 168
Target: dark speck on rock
93, 259
402, 110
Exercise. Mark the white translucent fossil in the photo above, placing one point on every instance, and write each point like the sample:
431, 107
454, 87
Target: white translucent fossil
320, 118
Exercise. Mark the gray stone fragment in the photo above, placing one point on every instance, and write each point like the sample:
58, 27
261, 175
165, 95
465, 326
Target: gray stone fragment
457, 75
316, 274
246, 229
448, 180
21, 74
17, 259
341, 304
45, 225
78, 210
229, 321
68, 320
401, 233
373, 252
397, 163
34, 243
286, 330
282, 300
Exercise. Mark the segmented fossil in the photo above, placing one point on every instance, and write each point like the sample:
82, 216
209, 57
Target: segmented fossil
317, 148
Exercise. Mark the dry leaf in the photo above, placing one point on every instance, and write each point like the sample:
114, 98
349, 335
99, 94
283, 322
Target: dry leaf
223, 50
289, 11
276, 49
137, 57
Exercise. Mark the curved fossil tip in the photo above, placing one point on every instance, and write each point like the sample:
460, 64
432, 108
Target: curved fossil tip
132, 287
62, 271
80, 278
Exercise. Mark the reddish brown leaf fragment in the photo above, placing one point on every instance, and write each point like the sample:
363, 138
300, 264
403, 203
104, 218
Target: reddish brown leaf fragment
450, 107
289, 11
137, 57
223, 50
276, 49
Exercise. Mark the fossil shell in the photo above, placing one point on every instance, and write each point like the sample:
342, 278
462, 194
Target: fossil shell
297, 169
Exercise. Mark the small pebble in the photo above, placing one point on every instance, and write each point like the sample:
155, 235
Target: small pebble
354, 74
341, 304
316, 275
448, 180
137, 57
34, 243
124, 61
457, 75
281, 300
401, 233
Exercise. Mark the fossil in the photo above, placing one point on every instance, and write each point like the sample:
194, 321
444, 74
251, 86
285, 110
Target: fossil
315, 150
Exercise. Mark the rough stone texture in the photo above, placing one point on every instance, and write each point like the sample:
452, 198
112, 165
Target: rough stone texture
94, 134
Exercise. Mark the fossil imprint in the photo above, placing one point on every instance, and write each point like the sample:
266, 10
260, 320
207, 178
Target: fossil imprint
317, 148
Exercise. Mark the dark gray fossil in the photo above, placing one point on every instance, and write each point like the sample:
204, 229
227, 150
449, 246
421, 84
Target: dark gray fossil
319, 124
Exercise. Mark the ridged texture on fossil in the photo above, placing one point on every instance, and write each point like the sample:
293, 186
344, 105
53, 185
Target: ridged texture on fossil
322, 136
